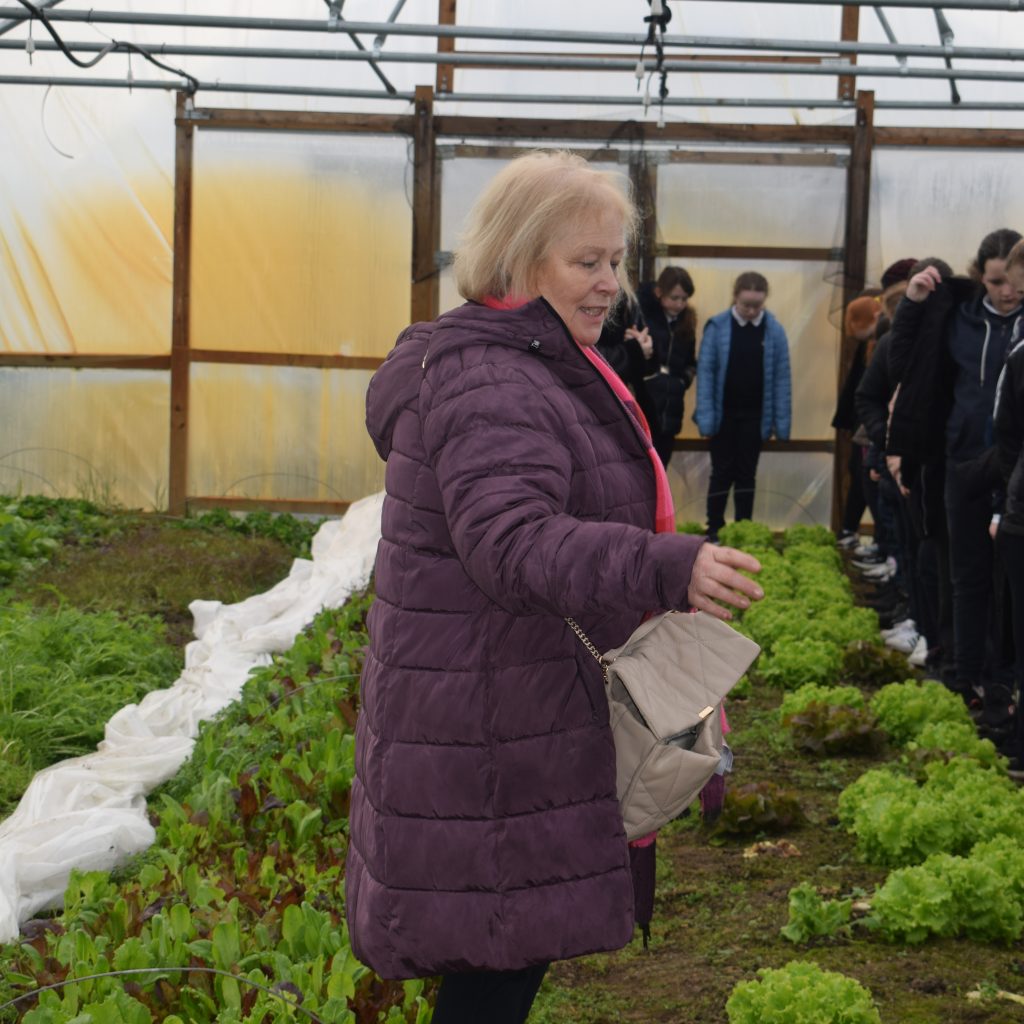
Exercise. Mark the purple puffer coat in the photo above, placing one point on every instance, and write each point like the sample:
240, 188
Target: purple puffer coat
484, 829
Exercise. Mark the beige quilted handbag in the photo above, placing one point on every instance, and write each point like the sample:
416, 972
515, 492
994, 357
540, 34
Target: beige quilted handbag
665, 686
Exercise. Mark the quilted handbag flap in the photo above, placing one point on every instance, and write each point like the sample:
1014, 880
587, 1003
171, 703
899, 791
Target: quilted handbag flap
678, 665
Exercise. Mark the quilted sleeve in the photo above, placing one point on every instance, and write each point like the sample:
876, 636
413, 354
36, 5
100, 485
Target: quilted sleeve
503, 463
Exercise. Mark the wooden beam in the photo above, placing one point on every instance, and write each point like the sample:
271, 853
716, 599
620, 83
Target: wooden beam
638, 131
951, 138
177, 487
858, 207
643, 177
710, 156
702, 444
313, 361
214, 119
82, 362
445, 79
294, 505
849, 33
426, 221
751, 252
483, 152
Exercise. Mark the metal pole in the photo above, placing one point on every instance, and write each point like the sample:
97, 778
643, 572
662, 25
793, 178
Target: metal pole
512, 34
378, 42
519, 99
45, 5
889, 34
549, 63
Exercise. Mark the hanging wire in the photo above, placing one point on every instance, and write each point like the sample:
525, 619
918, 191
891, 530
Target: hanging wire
114, 46
42, 124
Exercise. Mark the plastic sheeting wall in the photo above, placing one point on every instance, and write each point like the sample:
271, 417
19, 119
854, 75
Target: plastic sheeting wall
283, 432
940, 202
101, 434
301, 244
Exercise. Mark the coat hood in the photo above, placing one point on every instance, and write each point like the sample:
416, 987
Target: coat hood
461, 333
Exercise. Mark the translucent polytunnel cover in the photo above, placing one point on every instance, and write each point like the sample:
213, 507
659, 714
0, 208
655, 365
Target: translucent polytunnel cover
302, 241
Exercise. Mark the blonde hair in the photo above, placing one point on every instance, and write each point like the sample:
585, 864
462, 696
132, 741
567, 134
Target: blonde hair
531, 203
1015, 257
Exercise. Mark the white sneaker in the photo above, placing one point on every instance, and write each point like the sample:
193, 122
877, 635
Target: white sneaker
919, 655
907, 625
903, 642
865, 550
883, 571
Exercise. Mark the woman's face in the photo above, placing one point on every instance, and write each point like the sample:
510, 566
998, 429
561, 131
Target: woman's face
673, 302
1015, 275
749, 304
577, 277
1001, 293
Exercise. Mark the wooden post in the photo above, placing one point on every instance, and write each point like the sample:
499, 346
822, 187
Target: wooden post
849, 33
858, 202
643, 176
445, 79
426, 222
177, 488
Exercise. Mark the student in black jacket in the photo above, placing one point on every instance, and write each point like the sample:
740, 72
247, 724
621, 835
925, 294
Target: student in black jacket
1008, 523
949, 341
651, 346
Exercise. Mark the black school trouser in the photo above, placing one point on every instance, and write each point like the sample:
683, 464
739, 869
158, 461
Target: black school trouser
970, 567
494, 997
856, 502
1010, 547
735, 450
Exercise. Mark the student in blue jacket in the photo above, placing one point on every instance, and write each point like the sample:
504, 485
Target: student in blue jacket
744, 395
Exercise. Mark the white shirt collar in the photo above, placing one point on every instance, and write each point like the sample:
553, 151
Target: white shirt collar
742, 321
992, 309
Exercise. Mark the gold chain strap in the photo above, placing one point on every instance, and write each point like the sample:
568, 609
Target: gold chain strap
574, 626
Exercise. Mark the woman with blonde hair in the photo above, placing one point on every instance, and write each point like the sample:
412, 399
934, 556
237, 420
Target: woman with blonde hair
485, 834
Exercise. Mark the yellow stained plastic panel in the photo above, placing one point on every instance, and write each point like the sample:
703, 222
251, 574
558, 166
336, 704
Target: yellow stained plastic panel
301, 243
85, 257
100, 434
281, 432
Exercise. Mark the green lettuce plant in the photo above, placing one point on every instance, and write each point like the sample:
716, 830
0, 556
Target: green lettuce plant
811, 917
815, 536
980, 897
904, 709
794, 662
801, 993
746, 535
899, 822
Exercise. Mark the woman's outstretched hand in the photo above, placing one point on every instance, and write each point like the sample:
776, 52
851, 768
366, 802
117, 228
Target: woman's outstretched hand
717, 581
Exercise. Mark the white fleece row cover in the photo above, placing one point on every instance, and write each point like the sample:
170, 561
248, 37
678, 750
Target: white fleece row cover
90, 812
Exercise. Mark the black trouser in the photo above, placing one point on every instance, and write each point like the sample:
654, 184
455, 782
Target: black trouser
968, 514
856, 502
735, 450
929, 503
1010, 547
663, 444
494, 997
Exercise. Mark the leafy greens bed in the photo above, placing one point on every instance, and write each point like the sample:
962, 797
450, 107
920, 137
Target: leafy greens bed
237, 910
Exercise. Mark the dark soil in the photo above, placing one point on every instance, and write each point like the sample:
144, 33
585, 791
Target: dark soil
718, 916
154, 567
